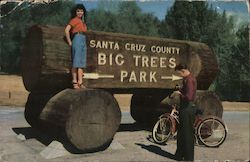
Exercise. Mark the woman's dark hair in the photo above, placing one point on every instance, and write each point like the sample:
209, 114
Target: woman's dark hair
79, 6
180, 67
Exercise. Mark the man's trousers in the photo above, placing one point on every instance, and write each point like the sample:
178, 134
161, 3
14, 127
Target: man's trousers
185, 134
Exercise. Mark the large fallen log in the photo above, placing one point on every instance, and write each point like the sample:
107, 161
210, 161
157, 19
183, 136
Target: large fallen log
209, 103
89, 118
120, 62
148, 107
34, 106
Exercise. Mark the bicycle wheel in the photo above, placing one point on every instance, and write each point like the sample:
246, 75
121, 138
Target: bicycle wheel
162, 130
211, 132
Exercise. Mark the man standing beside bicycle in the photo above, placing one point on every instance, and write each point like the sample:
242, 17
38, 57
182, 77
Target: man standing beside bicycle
185, 133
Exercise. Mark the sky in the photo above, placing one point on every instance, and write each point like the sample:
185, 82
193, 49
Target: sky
159, 7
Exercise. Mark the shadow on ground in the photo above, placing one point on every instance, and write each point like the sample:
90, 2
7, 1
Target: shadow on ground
157, 150
46, 137
135, 127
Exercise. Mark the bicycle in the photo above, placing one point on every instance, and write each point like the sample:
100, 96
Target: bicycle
210, 131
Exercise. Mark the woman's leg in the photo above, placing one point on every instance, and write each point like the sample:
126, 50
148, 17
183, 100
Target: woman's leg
80, 76
74, 77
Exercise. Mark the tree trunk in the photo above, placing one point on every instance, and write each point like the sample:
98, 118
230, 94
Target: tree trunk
89, 117
46, 61
34, 106
147, 107
209, 103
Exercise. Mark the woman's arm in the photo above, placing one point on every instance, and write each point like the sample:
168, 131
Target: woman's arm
67, 33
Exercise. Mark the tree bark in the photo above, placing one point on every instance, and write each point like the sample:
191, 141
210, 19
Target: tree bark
89, 117
146, 108
34, 106
209, 103
46, 61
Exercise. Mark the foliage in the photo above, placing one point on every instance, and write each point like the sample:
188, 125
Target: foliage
199, 22
14, 27
102, 20
239, 66
185, 20
128, 18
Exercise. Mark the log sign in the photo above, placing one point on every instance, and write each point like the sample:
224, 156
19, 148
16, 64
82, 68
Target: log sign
120, 62
135, 61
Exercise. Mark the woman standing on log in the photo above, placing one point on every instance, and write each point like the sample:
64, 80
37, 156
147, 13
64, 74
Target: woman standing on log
77, 27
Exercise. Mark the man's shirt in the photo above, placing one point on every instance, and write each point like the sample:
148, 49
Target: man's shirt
189, 88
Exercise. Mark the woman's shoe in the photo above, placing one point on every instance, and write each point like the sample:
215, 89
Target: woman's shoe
81, 86
75, 85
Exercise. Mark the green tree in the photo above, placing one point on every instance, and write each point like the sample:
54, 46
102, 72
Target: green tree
133, 21
240, 65
222, 42
52, 14
125, 17
12, 32
185, 20
14, 27
196, 21
102, 20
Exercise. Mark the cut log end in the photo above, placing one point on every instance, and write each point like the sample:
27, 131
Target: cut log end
44, 67
89, 117
31, 60
210, 103
145, 108
93, 122
33, 108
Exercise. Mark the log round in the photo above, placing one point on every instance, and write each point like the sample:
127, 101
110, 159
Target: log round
90, 118
146, 108
45, 60
209, 103
139, 111
33, 108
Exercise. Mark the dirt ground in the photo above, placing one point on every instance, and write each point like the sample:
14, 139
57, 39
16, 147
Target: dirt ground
13, 93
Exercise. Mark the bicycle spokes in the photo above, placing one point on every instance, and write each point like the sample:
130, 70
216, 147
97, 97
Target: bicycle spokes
211, 132
162, 130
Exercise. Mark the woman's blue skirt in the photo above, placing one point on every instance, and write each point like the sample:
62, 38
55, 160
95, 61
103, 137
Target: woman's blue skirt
79, 51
